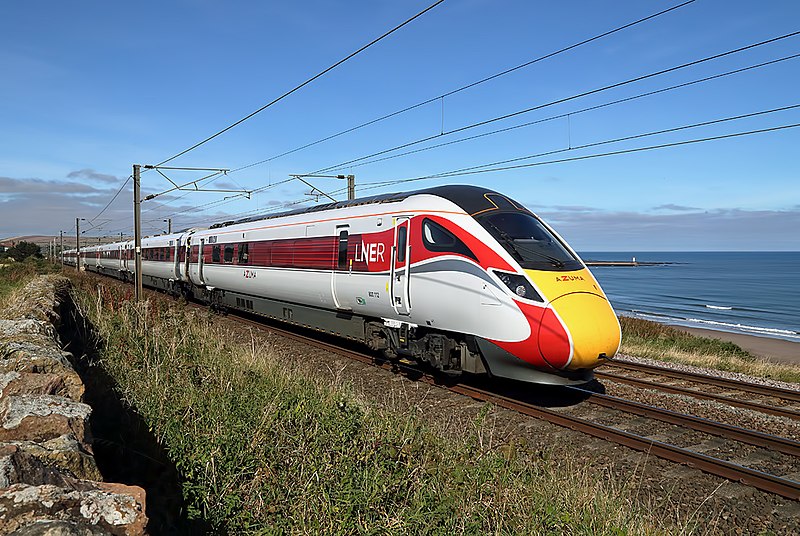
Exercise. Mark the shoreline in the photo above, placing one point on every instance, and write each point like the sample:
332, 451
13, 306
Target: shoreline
774, 350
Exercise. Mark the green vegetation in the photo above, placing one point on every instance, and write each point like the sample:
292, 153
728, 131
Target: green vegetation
265, 445
16, 274
22, 251
657, 341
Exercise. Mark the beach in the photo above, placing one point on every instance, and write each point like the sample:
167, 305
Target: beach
775, 350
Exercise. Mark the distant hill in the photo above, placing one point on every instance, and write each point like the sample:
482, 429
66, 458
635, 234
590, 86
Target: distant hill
40, 240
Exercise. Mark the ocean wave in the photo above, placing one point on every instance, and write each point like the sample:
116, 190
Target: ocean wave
719, 307
714, 324
744, 327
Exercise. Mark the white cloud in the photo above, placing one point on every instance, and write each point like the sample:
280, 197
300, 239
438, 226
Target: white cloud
92, 175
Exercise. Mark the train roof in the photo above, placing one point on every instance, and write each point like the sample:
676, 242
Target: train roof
473, 199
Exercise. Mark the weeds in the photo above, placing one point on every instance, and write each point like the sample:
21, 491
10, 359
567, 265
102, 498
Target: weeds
14, 275
263, 445
657, 341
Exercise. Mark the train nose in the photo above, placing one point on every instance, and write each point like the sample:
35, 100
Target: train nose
594, 331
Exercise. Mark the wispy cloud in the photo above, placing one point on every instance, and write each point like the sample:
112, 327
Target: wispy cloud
677, 208
722, 228
92, 175
12, 186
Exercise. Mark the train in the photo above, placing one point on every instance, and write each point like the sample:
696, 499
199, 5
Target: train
462, 278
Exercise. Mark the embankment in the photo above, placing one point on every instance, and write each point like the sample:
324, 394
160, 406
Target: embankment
50, 480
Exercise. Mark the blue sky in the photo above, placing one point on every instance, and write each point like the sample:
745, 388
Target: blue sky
91, 88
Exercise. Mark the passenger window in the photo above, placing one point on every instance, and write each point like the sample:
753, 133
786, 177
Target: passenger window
229, 253
402, 237
244, 254
437, 238
215, 254
342, 258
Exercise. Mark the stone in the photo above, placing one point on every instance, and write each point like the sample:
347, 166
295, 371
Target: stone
42, 417
64, 453
117, 511
39, 300
36, 358
19, 467
18, 383
49, 527
42, 356
10, 329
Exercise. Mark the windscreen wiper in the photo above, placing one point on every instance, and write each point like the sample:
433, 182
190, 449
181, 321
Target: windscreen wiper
506, 240
504, 236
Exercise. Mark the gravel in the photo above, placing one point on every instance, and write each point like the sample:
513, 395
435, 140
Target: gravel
737, 376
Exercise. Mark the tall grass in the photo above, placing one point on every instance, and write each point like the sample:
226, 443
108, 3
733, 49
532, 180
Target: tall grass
14, 275
265, 445
657, 341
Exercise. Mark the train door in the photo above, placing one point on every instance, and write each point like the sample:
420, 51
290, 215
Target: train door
200, 262
176, 263
399, 280
187, 258
341, 270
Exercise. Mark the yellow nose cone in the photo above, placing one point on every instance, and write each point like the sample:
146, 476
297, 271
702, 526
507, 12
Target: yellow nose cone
593, 328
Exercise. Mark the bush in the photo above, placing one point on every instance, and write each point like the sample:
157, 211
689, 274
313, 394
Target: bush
22, 251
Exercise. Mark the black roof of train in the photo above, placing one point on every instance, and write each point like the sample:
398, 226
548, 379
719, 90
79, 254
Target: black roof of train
472, 199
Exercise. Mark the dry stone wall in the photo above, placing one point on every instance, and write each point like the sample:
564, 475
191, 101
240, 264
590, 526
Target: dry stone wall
49, 481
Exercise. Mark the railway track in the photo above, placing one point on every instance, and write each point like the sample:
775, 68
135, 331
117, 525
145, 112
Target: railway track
705, 380
715, 466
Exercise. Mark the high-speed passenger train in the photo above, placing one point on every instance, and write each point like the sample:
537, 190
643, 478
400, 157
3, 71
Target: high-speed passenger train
461, 277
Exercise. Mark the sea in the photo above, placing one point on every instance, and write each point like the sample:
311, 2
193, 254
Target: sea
754, 293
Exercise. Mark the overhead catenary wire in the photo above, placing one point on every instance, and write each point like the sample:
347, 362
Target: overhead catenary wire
302, 85
456, 90
112, 199
584, 157
474, 170
582, 110
737, 50
470, 85
487, 167
627, 138
539, 121
224, 201
558, 101
373, 186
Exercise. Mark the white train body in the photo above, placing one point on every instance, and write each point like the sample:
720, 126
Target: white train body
490, 286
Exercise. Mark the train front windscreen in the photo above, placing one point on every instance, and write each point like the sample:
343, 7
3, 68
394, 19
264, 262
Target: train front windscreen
529, 241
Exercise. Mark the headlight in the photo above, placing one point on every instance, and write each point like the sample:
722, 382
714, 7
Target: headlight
519, 285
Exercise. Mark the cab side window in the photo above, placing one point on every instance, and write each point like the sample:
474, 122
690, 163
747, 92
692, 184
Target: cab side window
437, 238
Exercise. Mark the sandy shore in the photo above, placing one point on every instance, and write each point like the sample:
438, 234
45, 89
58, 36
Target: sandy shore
776, 350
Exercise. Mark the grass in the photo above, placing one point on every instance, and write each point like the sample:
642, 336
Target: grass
14, 275
264, 445
657, 341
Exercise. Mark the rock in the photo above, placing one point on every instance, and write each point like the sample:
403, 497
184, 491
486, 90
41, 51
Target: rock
39, 300
47, 527
42, 417
36, 358
118, 511
48, 475
14, 328
65, 453
19, 467
19, 383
